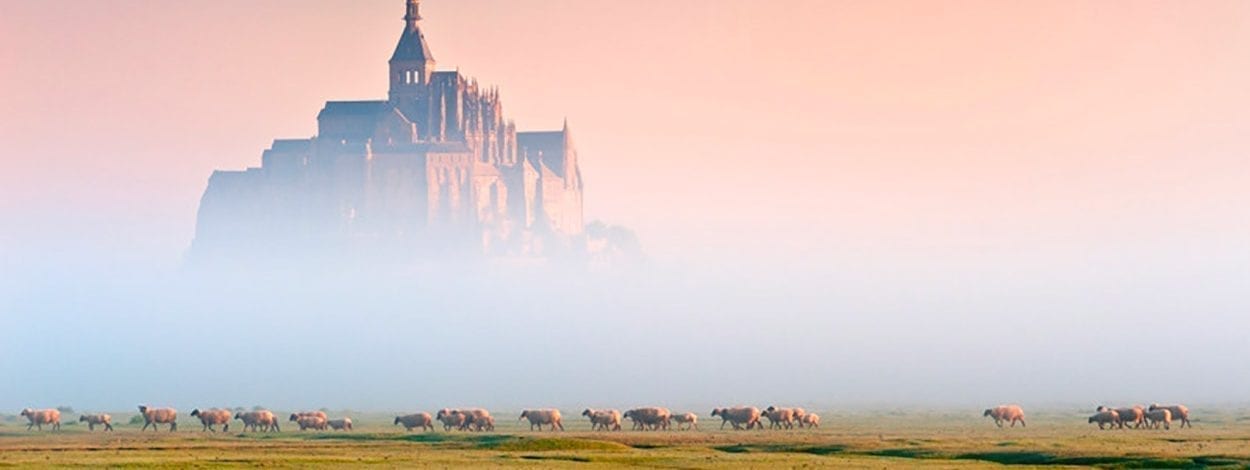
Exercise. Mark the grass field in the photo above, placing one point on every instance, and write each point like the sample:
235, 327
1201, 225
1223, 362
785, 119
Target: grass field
847, 440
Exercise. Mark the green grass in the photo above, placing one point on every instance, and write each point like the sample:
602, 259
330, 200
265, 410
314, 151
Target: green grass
555, 444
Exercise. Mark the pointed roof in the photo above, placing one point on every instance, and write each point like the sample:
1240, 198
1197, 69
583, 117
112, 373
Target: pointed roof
412, 44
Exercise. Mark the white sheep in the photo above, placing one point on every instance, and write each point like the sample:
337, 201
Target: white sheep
689, 420
417, 420
1134, 415
258, 420
652, 417
606, 420
38, 418
739, 417
341, 424
213, 417
1180, 412
1157, 416
97, 420
1008, 413
779, 417
810, 420
157, 416
1106, 418
542, 418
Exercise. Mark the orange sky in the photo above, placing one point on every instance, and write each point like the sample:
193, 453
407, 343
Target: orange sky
917, 126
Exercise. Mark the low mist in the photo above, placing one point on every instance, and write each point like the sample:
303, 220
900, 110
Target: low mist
828, 331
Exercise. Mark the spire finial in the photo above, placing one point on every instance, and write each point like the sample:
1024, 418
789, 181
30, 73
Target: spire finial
414, 13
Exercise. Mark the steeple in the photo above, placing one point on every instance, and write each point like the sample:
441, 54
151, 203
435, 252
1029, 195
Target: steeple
412, 63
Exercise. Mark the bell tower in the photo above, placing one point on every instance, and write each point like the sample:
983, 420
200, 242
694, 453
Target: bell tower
412, 63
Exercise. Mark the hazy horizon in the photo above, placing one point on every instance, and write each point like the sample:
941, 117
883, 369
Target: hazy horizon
957, 203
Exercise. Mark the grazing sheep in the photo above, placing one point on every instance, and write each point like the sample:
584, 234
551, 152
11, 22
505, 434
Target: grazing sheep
810, 420
97, 420
38, 418
259, 420
779, 418
1010, 413
418, 420
743, 416
606, 420
158, 416
341, 424
1180, 412
542, 418
213, 417
1135, 415
1157, 416
651, 417
1105, 418
690, 420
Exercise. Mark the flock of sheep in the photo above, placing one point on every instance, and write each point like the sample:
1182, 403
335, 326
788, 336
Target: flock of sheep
646, 418
474, 419
643, 419
1138, 416
259, 420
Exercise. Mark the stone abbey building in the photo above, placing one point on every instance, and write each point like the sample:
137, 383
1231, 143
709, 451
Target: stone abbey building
433, 169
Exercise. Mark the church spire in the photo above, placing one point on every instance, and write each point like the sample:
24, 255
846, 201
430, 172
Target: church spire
412, 63
413, 15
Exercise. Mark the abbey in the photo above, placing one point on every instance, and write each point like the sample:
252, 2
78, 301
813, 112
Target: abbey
434, 169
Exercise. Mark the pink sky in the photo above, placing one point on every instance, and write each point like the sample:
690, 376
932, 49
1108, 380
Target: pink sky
790, 126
